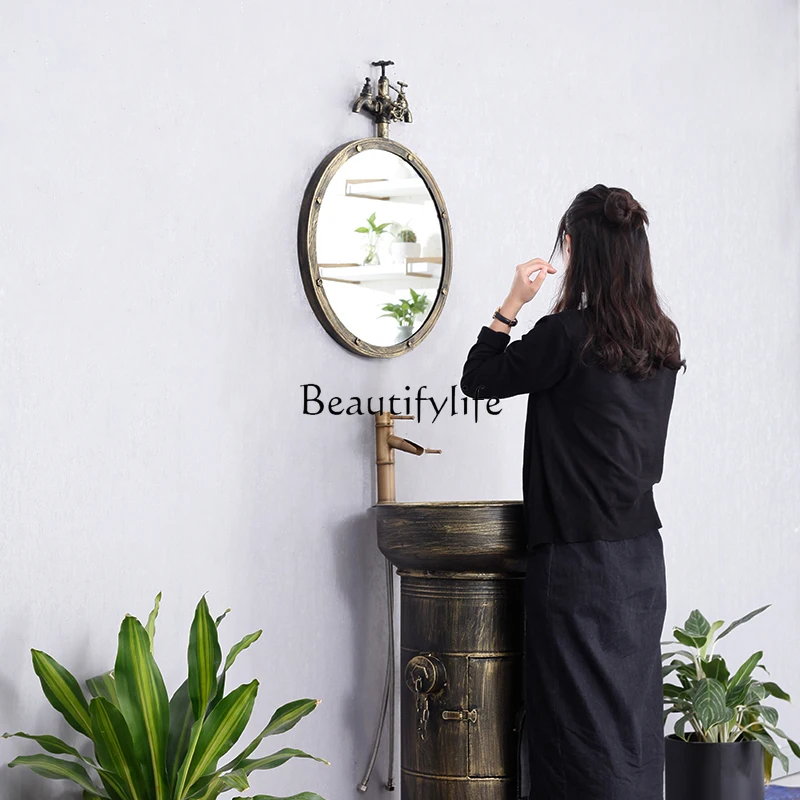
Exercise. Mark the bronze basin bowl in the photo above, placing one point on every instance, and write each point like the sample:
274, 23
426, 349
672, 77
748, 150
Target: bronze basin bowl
461, 536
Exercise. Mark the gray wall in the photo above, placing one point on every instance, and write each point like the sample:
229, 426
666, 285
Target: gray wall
154, 333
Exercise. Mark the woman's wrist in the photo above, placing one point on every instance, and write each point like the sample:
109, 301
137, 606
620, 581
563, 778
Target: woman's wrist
509, 309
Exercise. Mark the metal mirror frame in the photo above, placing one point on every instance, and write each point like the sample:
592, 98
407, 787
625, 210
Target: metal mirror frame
307, 247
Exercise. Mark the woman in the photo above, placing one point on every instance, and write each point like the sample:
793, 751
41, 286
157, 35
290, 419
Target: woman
600, 375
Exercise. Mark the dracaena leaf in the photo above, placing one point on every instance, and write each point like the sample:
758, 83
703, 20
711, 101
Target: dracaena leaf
103, 686
234, 652
204, 659
150, 627
58, 769
144, 703
181, 720
63, 692
51, 744
221, 730
301, 796
114, 747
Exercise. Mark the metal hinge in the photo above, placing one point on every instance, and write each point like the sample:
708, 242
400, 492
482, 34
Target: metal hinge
470, 716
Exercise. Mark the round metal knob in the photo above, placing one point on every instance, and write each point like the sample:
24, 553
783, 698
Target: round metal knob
425, 674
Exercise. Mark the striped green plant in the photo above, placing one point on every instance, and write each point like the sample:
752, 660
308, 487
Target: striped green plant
148, 746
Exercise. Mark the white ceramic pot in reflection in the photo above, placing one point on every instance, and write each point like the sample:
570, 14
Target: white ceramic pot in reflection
403, 250
404, 332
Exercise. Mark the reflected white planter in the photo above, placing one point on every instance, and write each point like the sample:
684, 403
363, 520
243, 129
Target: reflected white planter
404, 332
403, 250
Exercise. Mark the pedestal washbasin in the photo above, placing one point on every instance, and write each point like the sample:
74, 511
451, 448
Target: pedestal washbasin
461, 567
465, 536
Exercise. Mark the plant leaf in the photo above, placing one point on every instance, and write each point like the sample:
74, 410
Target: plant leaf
51, 744
58, 769
204, 659
794, 747
181, 720
221, 730
236, 780
114, 747
769, 744
276, 760
769, 714
755, 693
63, 692
746, 669
689, 640
745, 618
151, 621
362, 229
697, 625
103, 686
222, 616
301, 796
143, 702
234, 652
282, 720
716, 668
776, 691
709, 702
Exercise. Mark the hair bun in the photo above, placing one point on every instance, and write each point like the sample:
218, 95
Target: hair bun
620, 207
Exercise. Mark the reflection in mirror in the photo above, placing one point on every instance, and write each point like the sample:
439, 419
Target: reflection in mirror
379, 247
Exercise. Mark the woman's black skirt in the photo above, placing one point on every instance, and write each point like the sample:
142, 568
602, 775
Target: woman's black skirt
594, 617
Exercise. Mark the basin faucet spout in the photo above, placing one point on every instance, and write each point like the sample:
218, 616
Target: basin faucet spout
385, 444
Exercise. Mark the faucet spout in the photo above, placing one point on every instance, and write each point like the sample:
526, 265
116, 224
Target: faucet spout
385, 444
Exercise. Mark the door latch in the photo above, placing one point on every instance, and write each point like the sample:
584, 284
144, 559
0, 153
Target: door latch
470, 715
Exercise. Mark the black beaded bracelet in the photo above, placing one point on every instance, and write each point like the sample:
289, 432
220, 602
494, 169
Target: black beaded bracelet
505, 320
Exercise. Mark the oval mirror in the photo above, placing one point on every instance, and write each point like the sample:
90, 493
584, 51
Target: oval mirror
375, 247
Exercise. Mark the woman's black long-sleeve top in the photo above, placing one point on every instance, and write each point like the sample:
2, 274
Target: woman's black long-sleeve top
594, 440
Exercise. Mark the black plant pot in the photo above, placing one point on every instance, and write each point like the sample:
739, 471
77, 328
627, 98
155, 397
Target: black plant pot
697, 770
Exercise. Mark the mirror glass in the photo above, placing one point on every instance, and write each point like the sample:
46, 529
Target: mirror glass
379, 247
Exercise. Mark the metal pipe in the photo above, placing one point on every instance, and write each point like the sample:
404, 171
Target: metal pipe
388, 689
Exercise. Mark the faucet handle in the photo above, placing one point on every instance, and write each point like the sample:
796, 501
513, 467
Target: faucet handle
402, 416
433, 451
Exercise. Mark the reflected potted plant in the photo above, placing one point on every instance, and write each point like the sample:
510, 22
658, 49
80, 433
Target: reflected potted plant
148, 746
373, 232
405, 245
405, 313
729, 751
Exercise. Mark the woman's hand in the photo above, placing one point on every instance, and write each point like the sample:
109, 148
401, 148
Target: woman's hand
523, 289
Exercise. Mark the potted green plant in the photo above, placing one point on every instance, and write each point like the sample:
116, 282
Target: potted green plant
373, 232
150, 747
729, 751
405, 245
405, 312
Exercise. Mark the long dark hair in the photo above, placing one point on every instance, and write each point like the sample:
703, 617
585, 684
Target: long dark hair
610, 276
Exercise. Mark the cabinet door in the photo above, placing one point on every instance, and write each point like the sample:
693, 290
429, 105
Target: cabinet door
496, 693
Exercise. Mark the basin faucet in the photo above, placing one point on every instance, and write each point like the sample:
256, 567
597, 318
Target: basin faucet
385, 444
381, 106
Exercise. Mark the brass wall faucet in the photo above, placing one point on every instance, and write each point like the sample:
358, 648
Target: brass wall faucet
385, 444
381, 107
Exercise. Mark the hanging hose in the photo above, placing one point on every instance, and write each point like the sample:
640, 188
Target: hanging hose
387, 702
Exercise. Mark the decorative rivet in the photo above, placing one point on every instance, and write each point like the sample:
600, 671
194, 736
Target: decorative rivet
410, 157
356, 340
319, 199
444, 214
359, 147
408, 343
444, 290
319, 281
